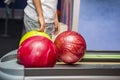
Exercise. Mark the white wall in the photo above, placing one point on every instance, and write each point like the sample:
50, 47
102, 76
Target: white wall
76, 8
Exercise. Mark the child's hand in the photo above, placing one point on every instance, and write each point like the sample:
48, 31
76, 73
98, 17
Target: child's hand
42, 24
57, 28
57, 25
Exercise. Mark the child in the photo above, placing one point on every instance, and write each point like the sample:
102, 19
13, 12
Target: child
41, 15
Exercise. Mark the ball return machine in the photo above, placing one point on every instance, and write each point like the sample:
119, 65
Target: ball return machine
100, 66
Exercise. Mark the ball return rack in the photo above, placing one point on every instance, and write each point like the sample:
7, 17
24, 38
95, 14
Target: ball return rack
96, 65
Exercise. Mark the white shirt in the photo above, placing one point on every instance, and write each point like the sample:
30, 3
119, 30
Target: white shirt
49, 9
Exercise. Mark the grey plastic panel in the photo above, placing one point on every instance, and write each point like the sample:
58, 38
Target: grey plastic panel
9, 68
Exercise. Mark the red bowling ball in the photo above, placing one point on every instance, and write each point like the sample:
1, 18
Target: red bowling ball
71, 47
37, 51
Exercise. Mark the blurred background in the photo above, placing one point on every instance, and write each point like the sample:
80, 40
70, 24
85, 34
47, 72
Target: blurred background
96, 20
12, 26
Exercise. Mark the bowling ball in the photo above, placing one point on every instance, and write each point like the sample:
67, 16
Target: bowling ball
71, 47
37, 51
33, 33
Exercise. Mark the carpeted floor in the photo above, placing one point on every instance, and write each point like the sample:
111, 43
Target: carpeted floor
14, 30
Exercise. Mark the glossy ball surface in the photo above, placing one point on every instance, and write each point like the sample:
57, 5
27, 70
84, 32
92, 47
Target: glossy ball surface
37, 51
71, 47
33, 33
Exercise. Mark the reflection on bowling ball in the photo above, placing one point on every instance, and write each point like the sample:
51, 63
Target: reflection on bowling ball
71, 47
33, 33
37, 51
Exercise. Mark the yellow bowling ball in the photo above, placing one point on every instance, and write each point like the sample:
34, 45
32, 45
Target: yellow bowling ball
33, 33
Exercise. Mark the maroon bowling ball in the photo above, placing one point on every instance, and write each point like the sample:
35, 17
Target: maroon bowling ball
37, 51
71, 47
